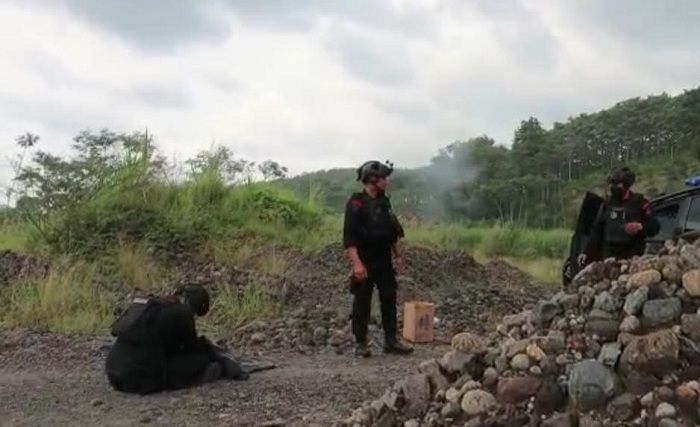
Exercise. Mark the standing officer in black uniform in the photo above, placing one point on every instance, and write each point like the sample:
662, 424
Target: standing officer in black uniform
370, 236
157, 346
623, 222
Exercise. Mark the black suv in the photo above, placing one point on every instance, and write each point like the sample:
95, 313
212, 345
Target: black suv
678, 215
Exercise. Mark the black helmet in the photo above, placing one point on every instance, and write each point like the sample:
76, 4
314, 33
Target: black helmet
196, 296
374, 168
623, 176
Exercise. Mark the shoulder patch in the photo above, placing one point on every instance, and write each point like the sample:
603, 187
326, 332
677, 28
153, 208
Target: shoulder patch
356, 203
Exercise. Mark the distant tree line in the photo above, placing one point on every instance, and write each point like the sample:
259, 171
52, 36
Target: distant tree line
540, 178
45, 182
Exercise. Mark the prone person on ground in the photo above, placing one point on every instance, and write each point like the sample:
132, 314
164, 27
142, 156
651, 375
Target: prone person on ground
370, 237
157, 347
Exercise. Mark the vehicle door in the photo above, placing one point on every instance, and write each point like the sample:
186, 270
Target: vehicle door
689, 229
668, 213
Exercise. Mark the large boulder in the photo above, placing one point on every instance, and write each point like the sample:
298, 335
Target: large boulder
625, 407
635, 300
478, 402
687, 397
672, 273
515, 320
550, 398
639, 383
659, 312
566, 301
655, 353
456, 363
592, 273
644, 278
520, 362
690, 325
630, 324
610, 354
691, 282
602, 324
591, 384
554, 342
416, 393
691, 255
544, 312
469, 343
431, 368
608, 302
516, 347
514, 390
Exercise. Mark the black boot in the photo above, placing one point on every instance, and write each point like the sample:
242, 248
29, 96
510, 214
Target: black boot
231, 368
362, 349
394, 346
211, 373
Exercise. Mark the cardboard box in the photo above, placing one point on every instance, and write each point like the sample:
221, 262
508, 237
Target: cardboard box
418, 321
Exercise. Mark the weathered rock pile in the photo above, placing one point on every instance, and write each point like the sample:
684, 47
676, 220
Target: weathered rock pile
314, 295
620, 347
301, 330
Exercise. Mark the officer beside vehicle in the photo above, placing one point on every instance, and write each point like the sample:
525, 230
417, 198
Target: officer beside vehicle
370, 234
623, 221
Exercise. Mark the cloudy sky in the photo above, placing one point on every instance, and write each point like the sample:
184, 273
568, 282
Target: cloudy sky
321, 84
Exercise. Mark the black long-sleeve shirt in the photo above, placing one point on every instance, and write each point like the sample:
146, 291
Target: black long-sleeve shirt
650, 225
145, 364
370, 226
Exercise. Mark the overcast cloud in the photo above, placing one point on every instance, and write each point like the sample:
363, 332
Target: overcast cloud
322, 84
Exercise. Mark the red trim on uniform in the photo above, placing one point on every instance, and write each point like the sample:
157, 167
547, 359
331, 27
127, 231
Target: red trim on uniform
627, 195
356, 203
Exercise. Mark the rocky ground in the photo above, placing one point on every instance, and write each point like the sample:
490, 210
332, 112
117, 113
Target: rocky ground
620, 347
466, 294
46, 379
49, 380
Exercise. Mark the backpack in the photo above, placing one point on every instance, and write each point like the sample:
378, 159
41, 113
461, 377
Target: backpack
134, 325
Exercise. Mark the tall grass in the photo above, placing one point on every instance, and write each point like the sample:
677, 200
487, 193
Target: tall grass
68, 300
135, 269
493, 241
234, 306
183, 219
14, 236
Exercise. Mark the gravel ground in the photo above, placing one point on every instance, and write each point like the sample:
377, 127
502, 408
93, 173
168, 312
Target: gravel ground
47, 379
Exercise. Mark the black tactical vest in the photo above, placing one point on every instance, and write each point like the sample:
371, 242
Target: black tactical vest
380, 225
134, 325
616, 215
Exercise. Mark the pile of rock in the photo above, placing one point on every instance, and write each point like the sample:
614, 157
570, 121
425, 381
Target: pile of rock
621, 347
301, 330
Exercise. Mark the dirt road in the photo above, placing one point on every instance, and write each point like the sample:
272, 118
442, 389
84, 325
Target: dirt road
51, 380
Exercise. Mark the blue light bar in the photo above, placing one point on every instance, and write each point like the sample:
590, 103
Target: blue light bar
693, 181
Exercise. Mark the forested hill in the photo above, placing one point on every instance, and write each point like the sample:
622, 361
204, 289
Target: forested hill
539, 179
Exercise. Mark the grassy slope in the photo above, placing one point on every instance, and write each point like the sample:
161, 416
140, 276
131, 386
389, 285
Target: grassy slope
113, 243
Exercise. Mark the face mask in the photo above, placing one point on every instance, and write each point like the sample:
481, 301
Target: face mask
617, 191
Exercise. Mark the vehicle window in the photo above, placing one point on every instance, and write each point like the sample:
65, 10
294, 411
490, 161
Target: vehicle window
693, 221
666, 215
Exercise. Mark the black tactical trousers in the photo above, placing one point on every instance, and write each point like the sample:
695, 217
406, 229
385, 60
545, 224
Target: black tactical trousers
382, 276
135, 369
622, 251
